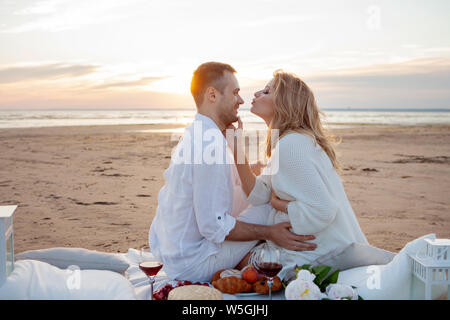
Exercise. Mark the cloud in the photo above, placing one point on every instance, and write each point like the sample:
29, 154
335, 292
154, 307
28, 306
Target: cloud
42, 7
45, 72
437, 50
420, 83
432, 73
127, 84
282, 19
61, 15
90, 99
66, 21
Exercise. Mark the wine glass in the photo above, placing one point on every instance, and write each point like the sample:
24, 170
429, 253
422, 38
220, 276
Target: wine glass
266, 259
149, 267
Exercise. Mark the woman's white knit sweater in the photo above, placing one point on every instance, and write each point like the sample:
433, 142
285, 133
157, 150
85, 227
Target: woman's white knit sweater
318, 204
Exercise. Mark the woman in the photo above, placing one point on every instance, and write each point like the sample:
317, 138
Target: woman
300, 183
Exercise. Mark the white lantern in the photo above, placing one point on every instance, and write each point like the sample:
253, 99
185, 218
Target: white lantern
6, 242
433, 266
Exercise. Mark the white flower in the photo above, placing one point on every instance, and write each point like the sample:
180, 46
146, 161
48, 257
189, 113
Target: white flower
338, 291
302, 289
305, 275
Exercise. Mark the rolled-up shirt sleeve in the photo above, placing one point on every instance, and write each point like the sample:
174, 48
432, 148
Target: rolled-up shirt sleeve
213, 200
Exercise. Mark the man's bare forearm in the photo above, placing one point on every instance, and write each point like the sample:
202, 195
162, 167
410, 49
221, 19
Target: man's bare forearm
247, 232
278, 233
246, 175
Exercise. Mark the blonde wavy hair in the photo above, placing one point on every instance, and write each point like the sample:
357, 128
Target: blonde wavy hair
296, 110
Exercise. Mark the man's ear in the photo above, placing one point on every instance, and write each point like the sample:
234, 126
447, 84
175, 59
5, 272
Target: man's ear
211, 94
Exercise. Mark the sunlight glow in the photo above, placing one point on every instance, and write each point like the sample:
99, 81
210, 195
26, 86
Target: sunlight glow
145, 51
175, 84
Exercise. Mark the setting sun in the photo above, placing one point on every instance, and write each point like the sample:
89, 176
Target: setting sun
174, 84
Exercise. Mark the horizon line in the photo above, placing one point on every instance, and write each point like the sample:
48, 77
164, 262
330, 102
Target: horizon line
242, 109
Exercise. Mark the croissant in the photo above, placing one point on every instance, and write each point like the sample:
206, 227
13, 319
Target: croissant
262, 287
232, 285
216, 275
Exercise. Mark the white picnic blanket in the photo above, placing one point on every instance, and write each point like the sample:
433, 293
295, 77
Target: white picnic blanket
390, 281
44, 274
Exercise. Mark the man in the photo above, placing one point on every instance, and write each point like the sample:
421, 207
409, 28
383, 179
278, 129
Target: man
194, 233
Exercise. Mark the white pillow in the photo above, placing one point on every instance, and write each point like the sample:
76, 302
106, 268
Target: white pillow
347, 257
391, 281
36, 280
354, 255
83, 258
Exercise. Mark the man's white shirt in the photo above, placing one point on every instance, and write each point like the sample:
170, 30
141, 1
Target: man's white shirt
194, 213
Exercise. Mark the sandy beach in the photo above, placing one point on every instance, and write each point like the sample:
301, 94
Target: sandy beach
97, 187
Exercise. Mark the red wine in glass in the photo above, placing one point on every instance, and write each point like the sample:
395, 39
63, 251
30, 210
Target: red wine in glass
150, 268
266, 259
269, 269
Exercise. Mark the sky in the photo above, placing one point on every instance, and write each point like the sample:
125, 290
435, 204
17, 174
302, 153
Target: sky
139, 54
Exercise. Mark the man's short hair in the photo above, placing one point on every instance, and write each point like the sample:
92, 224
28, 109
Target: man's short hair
208, 74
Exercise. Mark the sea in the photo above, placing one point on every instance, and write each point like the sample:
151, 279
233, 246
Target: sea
333, 118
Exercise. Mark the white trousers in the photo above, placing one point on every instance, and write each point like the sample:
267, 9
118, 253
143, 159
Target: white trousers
231, 252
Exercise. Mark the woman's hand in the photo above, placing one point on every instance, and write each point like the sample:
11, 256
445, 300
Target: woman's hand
236, 140
257, 168
278, 204
232, 127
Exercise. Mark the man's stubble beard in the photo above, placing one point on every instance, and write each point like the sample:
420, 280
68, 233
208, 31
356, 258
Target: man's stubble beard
227, 116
